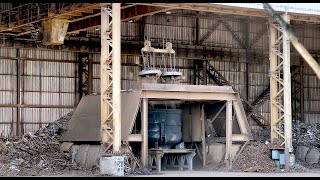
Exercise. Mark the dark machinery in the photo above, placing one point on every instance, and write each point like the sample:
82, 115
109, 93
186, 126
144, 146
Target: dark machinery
165, 126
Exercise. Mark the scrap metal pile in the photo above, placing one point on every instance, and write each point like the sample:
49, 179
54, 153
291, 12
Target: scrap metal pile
306, 142
36, 152
40, 153
255, 158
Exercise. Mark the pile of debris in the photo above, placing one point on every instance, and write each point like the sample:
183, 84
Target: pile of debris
306, 135
306, 143
36, 152
255, 158
261, 135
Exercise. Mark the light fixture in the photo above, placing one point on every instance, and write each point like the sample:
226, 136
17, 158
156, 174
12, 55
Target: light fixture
130, 21
97, 29
168, 12
10, 29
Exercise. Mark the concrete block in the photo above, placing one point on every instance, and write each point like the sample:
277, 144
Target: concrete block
81, 155
313, 156
74, 150
218, 150
93, 156
65, 146
113, 165
301, 152
234, 150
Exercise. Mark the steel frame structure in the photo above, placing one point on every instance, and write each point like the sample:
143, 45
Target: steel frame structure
280, 86
297, 92
110, 78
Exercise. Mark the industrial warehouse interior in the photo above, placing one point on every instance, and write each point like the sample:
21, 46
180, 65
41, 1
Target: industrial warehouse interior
160, 89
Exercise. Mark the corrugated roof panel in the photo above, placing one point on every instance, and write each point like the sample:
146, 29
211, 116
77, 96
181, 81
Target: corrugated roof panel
303, 8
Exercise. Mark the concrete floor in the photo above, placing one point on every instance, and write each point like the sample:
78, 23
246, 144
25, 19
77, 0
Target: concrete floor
226, 174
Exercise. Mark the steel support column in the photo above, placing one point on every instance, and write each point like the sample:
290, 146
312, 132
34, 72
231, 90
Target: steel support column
280, 86
228, 133
110, 77
83, 73
144, 132
116, 68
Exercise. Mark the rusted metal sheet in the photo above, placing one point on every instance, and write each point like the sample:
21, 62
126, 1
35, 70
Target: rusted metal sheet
186, 124
130, 102
84, 124
195, 122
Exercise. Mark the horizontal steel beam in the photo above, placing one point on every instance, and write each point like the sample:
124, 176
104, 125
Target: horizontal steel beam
131, 12
135, 138
216, 8
187, 95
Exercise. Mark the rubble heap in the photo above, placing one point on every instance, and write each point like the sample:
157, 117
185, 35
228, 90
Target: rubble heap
306, 135
255, 158
36, 151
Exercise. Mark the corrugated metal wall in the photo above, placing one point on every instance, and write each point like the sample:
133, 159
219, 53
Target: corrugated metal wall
48, 88
48, 84
50, 78
5, 6
8, 91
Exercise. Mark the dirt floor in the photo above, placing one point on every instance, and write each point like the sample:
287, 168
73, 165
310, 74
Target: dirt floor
39, 154
227, 174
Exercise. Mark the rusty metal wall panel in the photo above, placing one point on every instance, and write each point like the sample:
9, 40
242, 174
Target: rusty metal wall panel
96, 70
7, 121
312, 106
96, 57
5, 6
312, 118
177, 29
50, 114
263, 42
8, 82
32, 98
68, 69
50, 98
8, 66
8, 52
96, 85
30, 83
67, 99
50, 69
130, 31
31, 115
94, 32
50, 84
180, 35
48, 54
67, 84
32, 68
8, 97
